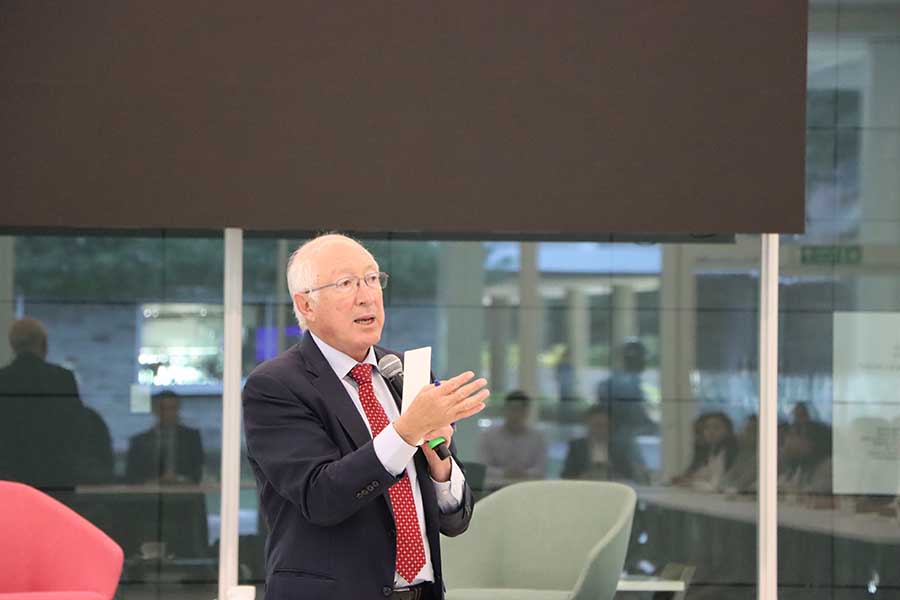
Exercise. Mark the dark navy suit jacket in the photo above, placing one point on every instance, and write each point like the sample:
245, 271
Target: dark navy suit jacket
145, 455
323, 491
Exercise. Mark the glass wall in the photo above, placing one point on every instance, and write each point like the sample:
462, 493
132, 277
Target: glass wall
610, 360
620, 360
839, 462
110, 393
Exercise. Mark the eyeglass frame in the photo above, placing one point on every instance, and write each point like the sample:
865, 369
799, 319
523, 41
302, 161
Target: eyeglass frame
382, 279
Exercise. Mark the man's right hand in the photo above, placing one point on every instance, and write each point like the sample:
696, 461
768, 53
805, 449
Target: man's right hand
437, 406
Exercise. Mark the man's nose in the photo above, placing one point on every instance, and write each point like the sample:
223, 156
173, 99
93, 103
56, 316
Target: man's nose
364, 293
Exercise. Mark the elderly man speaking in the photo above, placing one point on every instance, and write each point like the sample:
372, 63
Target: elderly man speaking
353, 506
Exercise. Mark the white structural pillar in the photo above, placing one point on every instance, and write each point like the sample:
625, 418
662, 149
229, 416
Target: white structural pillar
578, 333
624, 315
677, 356
281, 295
461, 325
879, 161
531, 318
500, 331
231, 413
767, 546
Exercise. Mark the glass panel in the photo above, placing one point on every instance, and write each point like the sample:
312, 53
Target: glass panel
634, 362
839, 533
111, 393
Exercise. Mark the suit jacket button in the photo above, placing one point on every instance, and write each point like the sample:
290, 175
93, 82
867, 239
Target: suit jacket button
376, 483
359, 495
387, 591
370, 487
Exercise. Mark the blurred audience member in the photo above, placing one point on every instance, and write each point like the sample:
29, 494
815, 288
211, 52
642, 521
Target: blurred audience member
801, 415
601, 455
714, 455
623, 392
742, 476
806, 460
513, 451
169, 452
40, 414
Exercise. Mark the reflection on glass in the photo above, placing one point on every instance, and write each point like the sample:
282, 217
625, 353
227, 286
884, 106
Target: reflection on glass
514, 450
180, 345
41, 415
601, 357
168, 452
95, 325
839, 529
601, 455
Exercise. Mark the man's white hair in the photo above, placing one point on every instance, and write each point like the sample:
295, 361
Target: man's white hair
303, 270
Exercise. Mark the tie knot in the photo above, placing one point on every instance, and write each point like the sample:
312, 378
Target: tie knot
361, 373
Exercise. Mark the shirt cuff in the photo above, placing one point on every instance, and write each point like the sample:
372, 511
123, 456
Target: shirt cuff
392, 451
450, 493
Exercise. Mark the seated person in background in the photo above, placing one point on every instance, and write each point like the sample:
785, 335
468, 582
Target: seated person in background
513, 451
714, 456
801, 415
169, 452
602, 456
742, 476
806, 460
699, 442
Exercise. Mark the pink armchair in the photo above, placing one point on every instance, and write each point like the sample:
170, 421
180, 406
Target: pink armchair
50, 552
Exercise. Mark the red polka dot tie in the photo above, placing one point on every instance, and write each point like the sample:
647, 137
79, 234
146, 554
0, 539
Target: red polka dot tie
410, 551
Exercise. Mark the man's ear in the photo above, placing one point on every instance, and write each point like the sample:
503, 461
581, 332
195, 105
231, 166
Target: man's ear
303, 304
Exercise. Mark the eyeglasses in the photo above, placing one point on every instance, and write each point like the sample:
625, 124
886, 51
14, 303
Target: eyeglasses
348, 284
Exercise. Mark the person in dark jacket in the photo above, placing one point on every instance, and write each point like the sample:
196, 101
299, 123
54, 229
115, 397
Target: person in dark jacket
169, 452
601, 454
355, 501
40, 414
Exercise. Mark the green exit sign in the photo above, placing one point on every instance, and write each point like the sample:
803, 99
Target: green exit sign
831, 255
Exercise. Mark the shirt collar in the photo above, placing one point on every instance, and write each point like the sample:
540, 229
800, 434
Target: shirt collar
339, 362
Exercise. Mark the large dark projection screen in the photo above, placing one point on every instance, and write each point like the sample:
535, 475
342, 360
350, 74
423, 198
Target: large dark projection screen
518, 117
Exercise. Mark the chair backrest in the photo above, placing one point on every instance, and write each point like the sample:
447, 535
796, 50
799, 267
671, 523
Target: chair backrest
600, 577
47, 547
542, 535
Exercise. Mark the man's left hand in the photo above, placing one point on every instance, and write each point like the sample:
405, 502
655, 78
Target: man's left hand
440, 469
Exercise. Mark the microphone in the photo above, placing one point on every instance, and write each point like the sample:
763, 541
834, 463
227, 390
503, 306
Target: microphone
392, 370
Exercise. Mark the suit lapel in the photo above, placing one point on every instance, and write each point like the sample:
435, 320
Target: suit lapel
331, 388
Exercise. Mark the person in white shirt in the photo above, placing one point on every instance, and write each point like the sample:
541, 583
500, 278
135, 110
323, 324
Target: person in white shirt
513, 451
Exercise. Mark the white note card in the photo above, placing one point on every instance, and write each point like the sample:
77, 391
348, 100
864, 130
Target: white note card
416, 373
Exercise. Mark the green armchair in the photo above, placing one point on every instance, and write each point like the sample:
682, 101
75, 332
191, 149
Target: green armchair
542, 540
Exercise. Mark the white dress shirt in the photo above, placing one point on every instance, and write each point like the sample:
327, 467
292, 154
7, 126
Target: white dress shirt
394, 453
